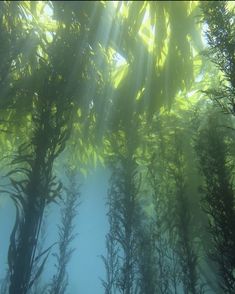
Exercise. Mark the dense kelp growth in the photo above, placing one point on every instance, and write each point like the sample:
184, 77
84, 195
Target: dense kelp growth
145, 89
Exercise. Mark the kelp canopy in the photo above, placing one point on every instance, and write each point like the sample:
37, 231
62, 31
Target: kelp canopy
146, 89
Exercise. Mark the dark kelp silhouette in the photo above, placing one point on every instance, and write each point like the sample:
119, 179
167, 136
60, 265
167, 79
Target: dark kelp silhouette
32, 193
220, 38
218, 201
123, 212
69, 209
52, 102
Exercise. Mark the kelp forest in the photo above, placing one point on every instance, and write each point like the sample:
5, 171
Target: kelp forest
117, 139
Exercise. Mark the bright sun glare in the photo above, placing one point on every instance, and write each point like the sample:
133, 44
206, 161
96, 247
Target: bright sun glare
147, 31
48, 10
46, 13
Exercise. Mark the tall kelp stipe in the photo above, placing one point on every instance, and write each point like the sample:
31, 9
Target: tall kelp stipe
35, 190
218, 189
50, 121
52, 101
218, 199
67, 234
219, 18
